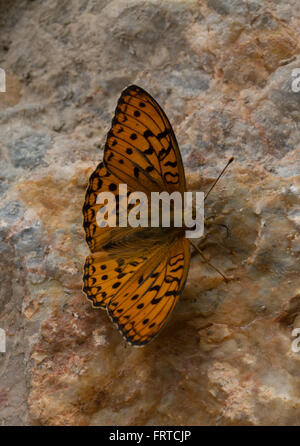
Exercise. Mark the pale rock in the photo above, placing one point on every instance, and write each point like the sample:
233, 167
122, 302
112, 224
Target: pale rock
223, 73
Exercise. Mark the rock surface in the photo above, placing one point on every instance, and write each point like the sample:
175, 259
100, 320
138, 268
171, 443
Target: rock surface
223, 72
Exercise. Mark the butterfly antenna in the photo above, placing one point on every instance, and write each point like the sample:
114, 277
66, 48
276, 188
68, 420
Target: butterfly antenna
230, 161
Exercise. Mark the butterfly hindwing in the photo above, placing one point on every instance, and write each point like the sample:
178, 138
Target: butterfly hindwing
105, 275
142, 307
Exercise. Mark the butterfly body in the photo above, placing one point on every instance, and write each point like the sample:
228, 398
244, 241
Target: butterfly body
136, 273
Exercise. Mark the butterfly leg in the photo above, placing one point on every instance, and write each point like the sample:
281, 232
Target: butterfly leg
208, 262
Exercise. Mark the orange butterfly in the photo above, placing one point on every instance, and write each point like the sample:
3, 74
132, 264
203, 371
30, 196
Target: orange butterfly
137, 274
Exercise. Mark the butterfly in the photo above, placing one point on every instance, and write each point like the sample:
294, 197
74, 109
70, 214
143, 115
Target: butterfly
136, 274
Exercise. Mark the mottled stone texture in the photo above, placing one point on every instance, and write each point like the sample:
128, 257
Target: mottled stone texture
223, 72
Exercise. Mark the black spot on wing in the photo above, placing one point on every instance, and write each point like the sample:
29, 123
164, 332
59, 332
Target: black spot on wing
163, 134
170, 164
171, 178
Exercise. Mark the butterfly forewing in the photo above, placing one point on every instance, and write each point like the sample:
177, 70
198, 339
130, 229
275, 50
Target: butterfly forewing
102, 180
142, 133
